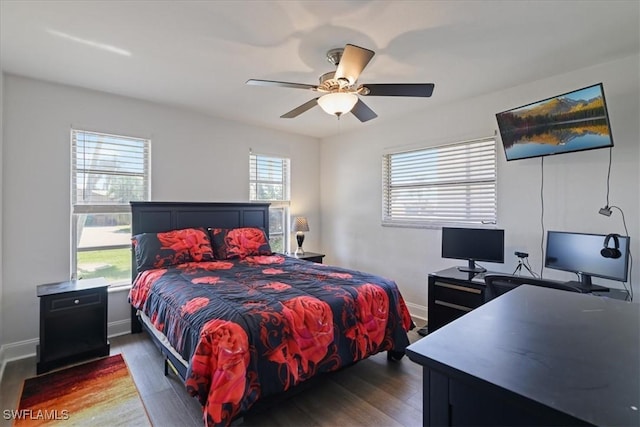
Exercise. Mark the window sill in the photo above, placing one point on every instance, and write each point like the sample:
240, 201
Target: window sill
119, 288
436, 225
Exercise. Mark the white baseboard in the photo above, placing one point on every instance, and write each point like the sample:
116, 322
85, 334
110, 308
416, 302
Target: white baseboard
119, 327
418, 311
23, 349
19, 350
15, 351
2, 364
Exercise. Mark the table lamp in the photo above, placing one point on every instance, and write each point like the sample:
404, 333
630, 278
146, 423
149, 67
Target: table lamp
300, 225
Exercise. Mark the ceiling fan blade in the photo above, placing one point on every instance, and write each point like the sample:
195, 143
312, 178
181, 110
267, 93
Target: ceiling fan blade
363, 112
401, 89
301, 109
280, 84
353, 60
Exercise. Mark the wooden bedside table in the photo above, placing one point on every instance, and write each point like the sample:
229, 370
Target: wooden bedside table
73, 322
310, 256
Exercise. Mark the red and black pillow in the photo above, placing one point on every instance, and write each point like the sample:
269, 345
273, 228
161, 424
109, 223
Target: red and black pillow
239, 242
158, 250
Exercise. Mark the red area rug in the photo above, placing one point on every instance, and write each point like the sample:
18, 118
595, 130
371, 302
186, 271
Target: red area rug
97, 393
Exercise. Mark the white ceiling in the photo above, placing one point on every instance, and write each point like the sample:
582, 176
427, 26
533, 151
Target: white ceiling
199, 54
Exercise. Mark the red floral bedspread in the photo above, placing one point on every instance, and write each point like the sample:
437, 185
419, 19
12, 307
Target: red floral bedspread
259, 326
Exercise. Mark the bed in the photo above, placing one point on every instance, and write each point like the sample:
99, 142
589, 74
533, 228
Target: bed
240, 324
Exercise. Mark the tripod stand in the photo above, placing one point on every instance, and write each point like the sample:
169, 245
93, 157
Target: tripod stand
522, 263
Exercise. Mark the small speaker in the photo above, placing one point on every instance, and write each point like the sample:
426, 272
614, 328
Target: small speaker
613, 252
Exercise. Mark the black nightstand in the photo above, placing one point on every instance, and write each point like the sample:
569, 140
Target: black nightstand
310, 256
73, 322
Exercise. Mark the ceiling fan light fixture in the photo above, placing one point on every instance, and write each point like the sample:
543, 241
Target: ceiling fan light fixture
338, 93
337, 103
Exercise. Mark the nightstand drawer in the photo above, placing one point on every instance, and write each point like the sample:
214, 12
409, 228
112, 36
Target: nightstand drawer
440, 315
75, 301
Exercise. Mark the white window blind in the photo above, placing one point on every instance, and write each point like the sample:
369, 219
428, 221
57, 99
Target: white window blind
107, 172
444, 185
269, 180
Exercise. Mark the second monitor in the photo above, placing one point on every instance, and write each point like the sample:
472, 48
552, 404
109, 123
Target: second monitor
587, 255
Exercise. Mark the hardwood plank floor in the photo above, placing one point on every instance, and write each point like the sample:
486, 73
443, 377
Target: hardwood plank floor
373, 392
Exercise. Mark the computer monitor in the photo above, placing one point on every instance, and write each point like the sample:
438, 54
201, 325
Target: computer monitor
588, 255
473, 244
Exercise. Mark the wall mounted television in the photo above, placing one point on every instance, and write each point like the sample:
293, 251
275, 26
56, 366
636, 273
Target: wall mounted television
473, 244
581, 253
573, 121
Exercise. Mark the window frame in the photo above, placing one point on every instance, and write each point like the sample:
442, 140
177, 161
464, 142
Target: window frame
479, 149
78, 209
282, 203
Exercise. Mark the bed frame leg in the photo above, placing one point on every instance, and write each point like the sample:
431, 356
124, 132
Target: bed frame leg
394, 356
136, 326
166, 366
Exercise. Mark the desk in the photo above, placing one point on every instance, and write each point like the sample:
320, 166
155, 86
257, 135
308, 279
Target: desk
534, 356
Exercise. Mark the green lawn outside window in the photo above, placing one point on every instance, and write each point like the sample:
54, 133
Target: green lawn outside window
112, 264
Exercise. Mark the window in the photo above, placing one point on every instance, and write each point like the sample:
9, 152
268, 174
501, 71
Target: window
445, 185
107, 171
269, 182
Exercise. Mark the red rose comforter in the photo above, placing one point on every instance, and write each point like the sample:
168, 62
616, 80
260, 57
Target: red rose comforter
258, 326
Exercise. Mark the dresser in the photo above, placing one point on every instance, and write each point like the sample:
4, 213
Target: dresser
451, 294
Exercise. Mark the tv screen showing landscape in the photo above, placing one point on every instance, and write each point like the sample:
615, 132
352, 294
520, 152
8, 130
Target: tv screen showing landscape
574, 121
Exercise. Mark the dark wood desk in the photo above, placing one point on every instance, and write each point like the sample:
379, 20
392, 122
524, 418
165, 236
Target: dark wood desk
534, 356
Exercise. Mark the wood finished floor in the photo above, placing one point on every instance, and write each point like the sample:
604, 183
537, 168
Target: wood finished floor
373, 392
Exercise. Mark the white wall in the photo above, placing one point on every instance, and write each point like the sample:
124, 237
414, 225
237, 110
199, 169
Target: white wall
194, 158
2, 321
574, 188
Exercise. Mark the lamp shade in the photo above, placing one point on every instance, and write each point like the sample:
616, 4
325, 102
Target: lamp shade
337, 103
300, 224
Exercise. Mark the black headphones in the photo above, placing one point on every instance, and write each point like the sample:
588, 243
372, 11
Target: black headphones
608, 252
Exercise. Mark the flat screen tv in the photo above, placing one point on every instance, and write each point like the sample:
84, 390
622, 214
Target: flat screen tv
574, 121
588, 255
473, 244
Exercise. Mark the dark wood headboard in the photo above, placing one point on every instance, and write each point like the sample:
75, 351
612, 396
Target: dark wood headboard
156, 217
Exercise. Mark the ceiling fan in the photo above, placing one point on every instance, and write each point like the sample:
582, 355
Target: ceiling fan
340, 89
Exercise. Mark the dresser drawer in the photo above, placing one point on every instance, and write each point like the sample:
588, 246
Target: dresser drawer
440, 315
460, 297
75, 301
